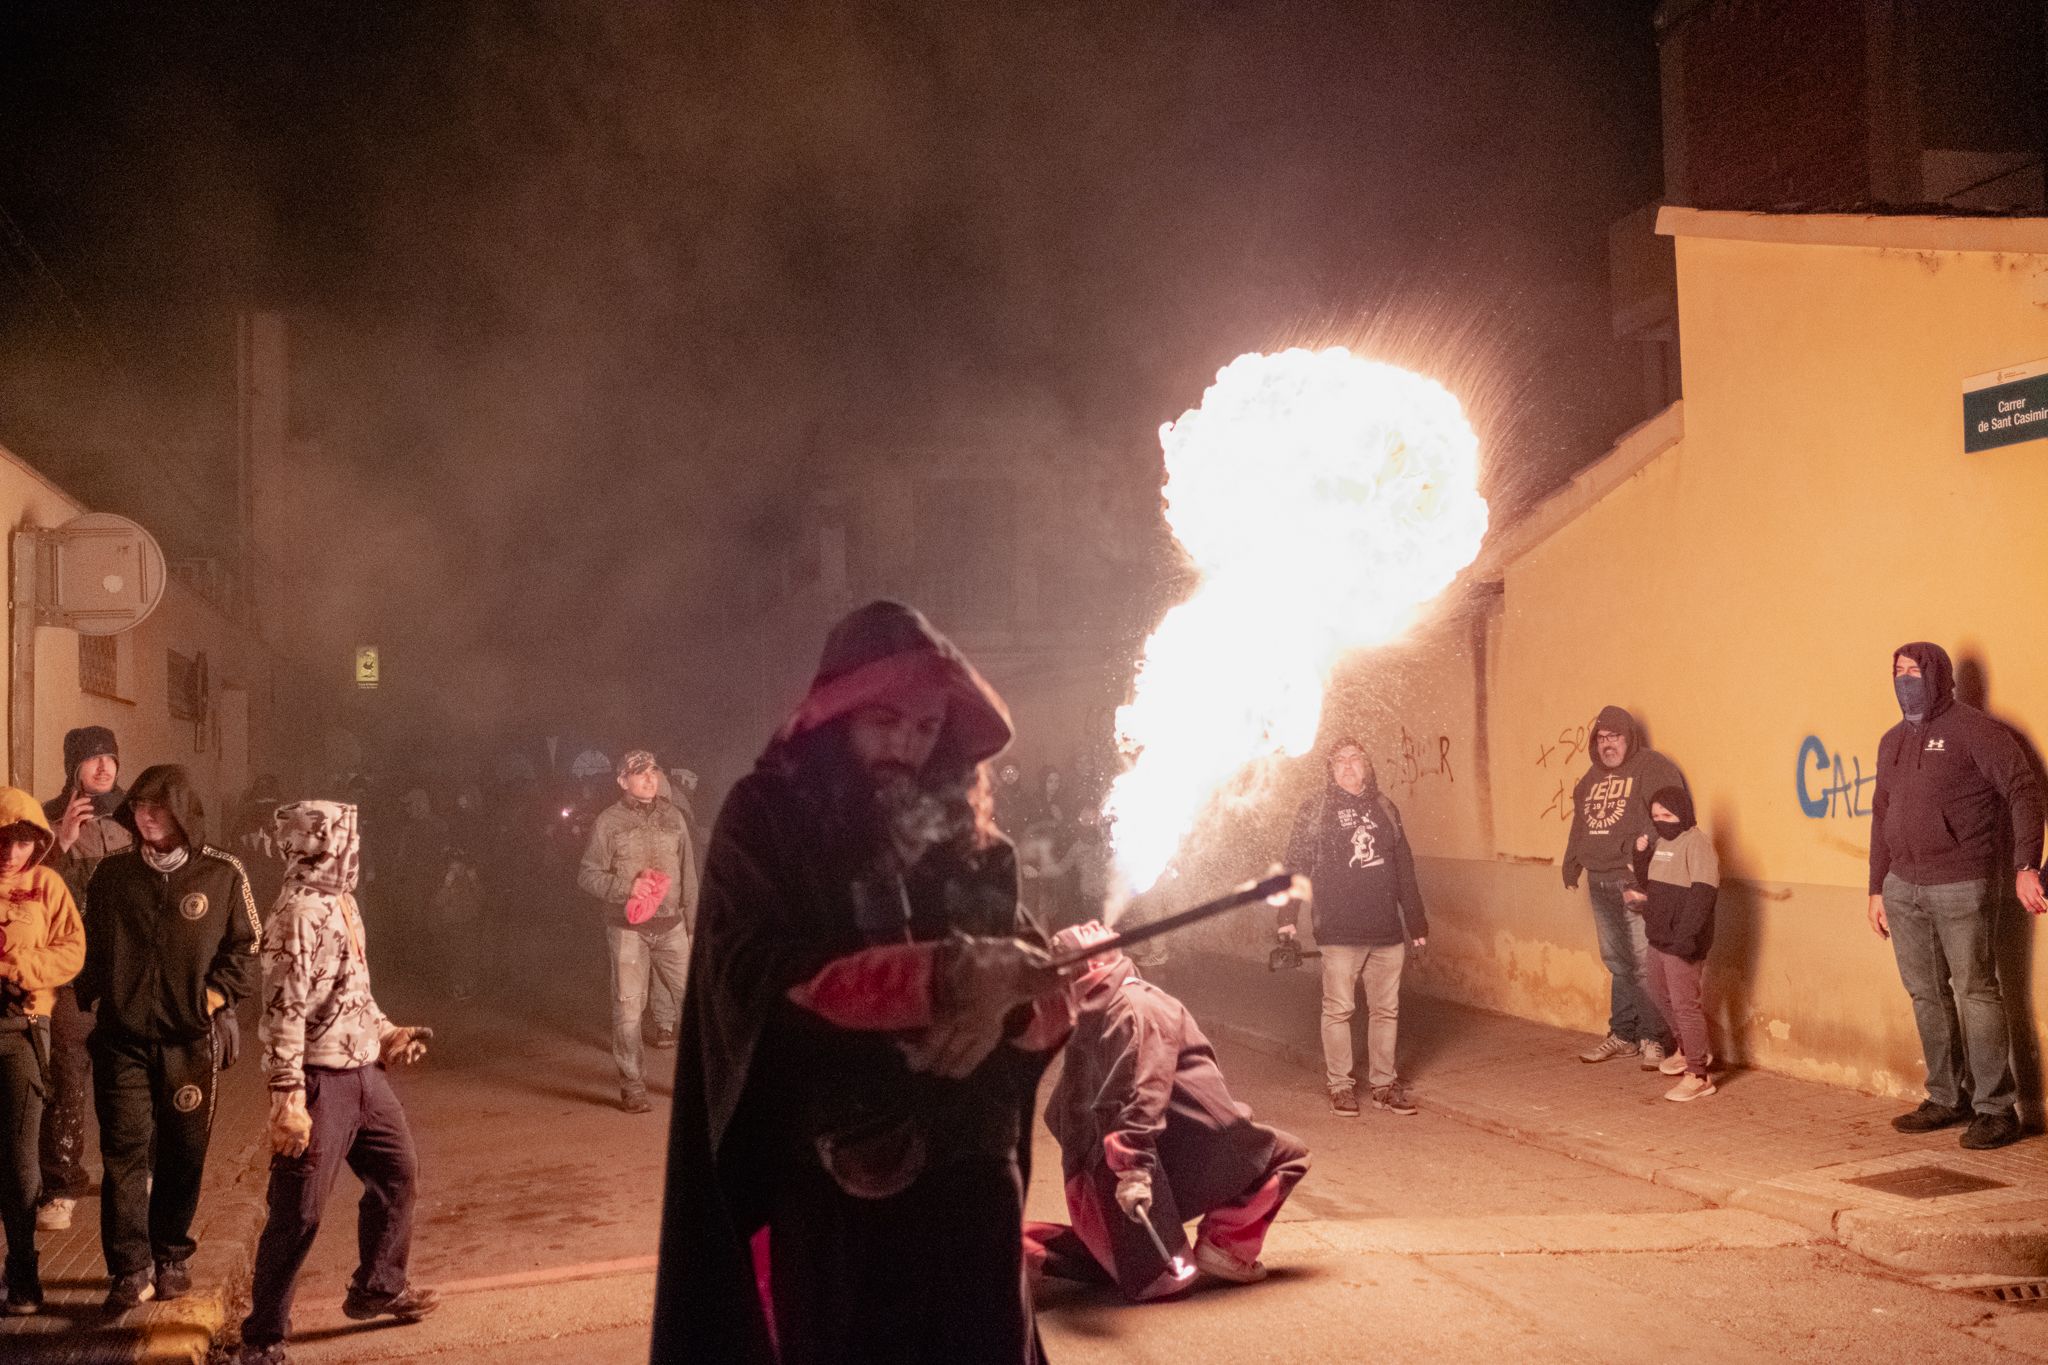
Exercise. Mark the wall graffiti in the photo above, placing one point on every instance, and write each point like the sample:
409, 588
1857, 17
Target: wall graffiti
1426, 756
1830, 784
1563, 752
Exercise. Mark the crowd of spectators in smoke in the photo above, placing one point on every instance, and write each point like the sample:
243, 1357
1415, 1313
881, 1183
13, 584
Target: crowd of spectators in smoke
1062, 849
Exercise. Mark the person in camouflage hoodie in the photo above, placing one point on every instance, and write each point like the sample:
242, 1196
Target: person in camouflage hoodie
325, 1046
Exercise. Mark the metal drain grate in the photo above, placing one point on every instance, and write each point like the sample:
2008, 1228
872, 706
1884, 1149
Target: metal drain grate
1926, 1182
2019, 1291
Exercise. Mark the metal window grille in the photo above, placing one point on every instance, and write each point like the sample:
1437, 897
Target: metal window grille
98, 665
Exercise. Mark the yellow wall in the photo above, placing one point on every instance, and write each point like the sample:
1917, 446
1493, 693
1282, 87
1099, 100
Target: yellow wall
1741, 592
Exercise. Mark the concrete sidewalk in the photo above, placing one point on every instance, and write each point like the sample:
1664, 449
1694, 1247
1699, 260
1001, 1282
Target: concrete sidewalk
71, 1330
1762, 1142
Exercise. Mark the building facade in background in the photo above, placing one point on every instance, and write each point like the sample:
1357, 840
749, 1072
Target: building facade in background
224, 676
1736, 572
1043, 563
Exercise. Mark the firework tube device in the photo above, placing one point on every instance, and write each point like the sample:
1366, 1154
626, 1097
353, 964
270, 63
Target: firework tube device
1279, 886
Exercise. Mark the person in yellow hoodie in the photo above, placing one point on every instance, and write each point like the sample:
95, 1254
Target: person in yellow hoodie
42, 946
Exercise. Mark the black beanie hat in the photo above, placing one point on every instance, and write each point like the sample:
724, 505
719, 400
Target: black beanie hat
88, 741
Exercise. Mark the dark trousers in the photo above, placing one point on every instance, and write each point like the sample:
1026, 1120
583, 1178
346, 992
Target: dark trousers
357, 1121
21, 1114
932, 1276
155, 1107
70, 1099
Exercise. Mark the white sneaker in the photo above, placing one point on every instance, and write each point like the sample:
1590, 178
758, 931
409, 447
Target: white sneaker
1674, 1065
1691, 1088
55, 1215
1216, 1261
1653, 1056
1608, 1048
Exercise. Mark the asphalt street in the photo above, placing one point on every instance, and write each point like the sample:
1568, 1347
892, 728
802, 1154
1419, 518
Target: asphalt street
1412, 1238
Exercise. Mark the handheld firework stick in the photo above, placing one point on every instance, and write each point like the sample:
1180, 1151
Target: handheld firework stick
1141, 1214
1280, 884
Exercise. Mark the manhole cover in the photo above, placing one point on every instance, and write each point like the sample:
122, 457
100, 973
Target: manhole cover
1926, 1182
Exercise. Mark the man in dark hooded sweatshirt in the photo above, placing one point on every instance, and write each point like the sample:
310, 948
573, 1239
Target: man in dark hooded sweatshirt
1149, 1134
170, 950
1950, 782
867, 1016
1610, 811
82, 819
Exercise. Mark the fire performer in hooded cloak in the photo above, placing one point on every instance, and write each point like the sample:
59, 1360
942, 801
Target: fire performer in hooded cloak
867, 1015
1150, 1139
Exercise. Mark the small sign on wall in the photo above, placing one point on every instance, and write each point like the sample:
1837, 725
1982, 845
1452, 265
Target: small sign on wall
366, 666
2005, 407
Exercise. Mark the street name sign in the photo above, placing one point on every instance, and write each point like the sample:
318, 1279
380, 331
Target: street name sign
2005, 407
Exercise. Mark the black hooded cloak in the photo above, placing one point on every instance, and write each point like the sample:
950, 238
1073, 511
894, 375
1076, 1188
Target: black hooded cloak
932, 1272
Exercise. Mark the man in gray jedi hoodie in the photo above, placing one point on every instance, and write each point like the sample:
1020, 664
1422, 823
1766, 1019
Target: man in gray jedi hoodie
1610, 810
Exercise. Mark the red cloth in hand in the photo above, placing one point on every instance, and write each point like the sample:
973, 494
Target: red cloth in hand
648, 889
884, 989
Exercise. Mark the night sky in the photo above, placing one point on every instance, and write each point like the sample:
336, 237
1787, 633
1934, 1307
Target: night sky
581, 292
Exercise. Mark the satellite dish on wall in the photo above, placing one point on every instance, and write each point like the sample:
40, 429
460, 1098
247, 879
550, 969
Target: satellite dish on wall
99, 574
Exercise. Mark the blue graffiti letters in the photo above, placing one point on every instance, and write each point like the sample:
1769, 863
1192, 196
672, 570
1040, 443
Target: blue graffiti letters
1830, 785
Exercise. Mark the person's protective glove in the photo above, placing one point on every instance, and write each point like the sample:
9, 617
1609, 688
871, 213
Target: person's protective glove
227, 1037
404, 1046
1134, 1195
291, 1127
976, 982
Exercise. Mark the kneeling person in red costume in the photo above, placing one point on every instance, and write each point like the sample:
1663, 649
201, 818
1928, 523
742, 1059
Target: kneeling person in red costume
1149, 1134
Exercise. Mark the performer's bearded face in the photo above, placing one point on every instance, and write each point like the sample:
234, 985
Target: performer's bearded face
893, 740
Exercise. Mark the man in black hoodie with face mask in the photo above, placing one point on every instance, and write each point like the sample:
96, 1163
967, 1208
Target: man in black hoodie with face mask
170, 949
1950, 780
82, 818
1610, 811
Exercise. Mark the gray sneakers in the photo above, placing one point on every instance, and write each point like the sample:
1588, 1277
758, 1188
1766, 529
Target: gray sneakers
1392, 1098
1344, 1102
1653, 1056
1608, 1048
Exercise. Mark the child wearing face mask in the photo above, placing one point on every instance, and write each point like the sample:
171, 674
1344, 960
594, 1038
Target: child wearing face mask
1677, 880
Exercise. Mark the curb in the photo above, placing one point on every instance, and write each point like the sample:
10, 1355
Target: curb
1920, 1246
183, 1332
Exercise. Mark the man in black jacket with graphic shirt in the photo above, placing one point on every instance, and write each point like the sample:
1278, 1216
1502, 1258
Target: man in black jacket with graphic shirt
170, 949
82, 819
1950, 782
1367, 910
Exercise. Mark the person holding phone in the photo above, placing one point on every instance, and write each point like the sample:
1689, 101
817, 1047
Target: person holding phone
85, 833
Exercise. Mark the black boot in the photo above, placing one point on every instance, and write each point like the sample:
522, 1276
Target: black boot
24, 1285
1930, 1116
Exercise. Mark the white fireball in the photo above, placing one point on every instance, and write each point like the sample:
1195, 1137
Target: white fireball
1325, 499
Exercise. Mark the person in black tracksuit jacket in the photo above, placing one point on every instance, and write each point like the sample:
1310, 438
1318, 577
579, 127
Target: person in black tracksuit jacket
171, 935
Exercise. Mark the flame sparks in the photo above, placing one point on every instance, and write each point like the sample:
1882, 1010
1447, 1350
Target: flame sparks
1324, 498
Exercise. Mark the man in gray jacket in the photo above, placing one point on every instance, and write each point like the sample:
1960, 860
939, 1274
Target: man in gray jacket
639, 862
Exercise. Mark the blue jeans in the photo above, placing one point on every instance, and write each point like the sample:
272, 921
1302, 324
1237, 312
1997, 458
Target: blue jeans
1624, 946
1943, 938
635, 957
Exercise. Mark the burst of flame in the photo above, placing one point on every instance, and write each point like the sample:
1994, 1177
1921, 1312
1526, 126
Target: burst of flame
1324, 498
